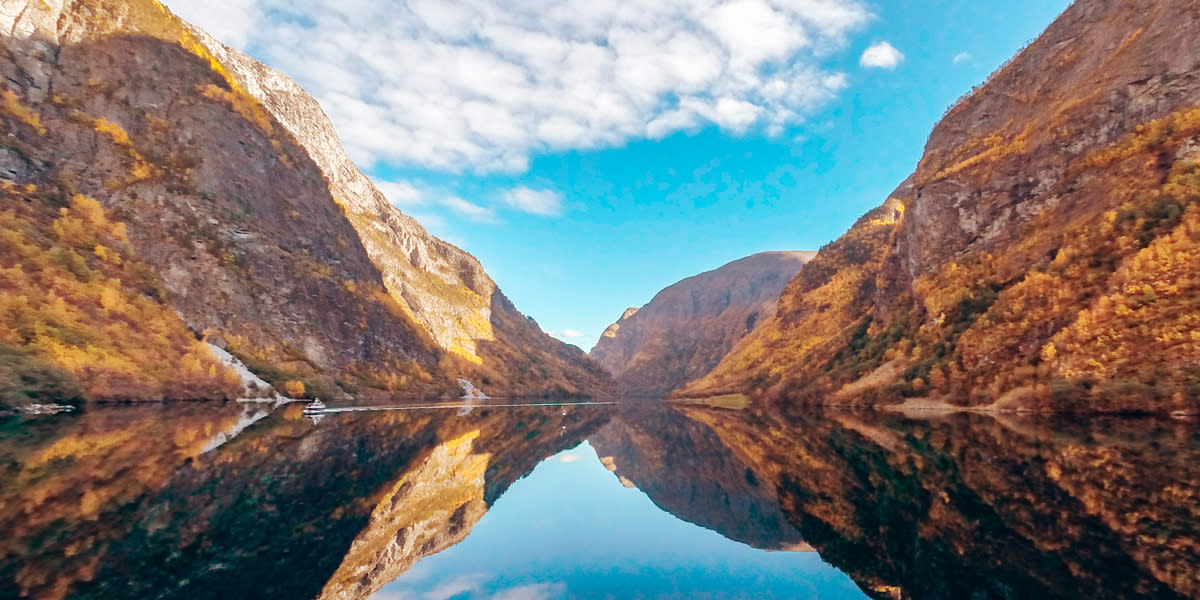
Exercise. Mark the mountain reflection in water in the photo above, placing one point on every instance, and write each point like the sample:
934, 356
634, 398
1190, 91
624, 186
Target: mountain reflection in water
243, 500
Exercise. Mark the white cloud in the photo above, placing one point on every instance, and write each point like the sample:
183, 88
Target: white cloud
456, 587
536, 591
567, 335
400, 193
231, 21
962, 57
882, 55
538, 202
482, 85
482, 214
386, 594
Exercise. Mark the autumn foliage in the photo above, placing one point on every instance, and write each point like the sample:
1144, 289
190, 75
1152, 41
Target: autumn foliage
1099, 310
1045, 254
84, 316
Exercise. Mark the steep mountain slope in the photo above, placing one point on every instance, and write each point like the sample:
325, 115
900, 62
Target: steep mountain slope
972, 507
81, 316
688, 327
441, 287
1044, 254
685, 470
230, 500
240, 233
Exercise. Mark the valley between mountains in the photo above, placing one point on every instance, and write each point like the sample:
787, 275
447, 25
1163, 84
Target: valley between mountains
987, 387
180, 221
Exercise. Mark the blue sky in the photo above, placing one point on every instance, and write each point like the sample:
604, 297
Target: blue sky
592, 152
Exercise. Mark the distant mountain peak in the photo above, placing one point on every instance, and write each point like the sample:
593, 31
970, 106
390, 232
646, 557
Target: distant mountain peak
1042, 255
686, 329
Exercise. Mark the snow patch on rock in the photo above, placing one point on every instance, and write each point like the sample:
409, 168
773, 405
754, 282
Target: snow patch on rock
253, 385
470, 392
248, 418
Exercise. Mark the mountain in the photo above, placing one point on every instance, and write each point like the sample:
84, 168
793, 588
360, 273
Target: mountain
687, 471
441, 287
168, 189
971, 506
1044, 255
236, 500
688, 327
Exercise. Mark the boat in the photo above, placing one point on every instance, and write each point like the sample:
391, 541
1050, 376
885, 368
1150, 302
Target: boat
316, 407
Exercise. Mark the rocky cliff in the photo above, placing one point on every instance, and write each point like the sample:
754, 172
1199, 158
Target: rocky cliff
688, 327
187, 191
231, 500
1044, 253
968, 506
441, 287
687, 471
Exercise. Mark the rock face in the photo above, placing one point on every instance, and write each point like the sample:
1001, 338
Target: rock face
687, 471
441, 287
688, 327
1044, 253
1014, 507
233, 500
254, 227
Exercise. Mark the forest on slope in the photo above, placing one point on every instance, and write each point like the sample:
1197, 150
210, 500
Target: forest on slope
161, 196
1044, 255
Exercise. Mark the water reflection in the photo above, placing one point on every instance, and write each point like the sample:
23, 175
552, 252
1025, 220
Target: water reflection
572, 530
187, 500
974, 506
685, 469
232, 500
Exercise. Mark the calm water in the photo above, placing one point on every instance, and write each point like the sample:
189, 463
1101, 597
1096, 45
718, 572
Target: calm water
632, 500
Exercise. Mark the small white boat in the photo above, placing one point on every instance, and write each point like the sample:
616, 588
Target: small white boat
316, 407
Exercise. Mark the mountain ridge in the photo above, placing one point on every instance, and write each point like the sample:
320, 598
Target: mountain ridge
419, 270
126, 117
1043, 245
688, 326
